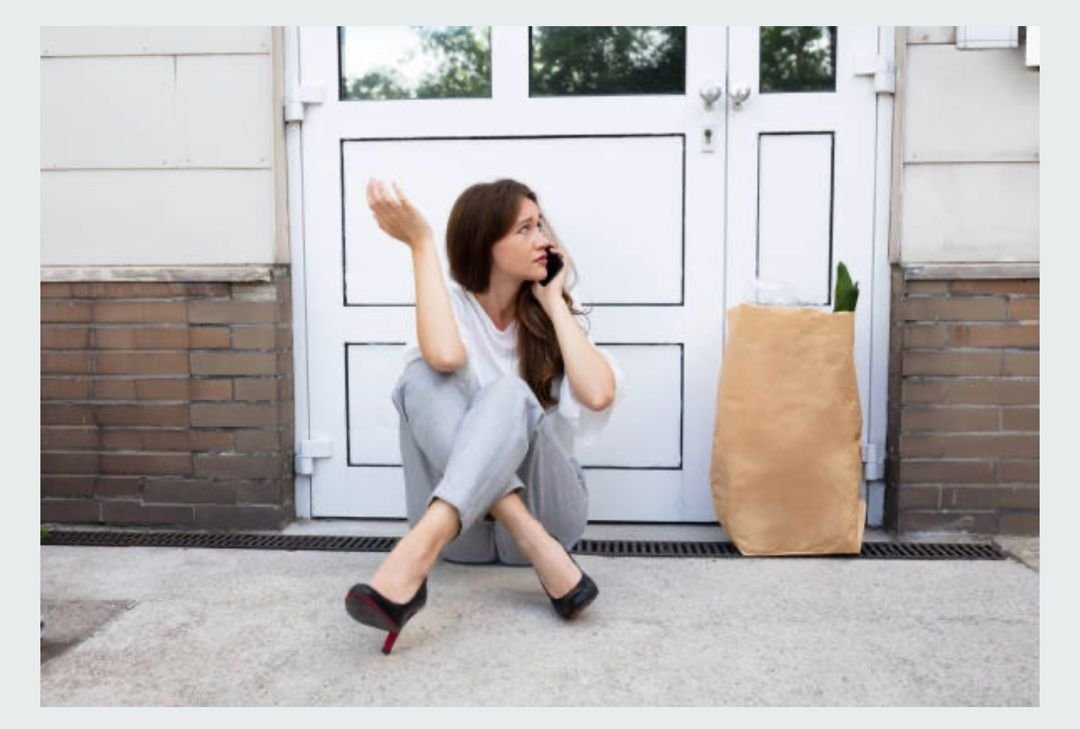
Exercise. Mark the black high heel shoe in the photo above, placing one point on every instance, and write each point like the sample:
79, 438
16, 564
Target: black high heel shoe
365, 604
578, 598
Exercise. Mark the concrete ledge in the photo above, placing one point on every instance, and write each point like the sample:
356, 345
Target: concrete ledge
947, 271
237, 273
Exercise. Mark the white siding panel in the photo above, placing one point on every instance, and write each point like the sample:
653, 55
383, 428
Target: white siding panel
965, 106
971, 213
932, 34
166, 217
108, 41
224, 110
107, 112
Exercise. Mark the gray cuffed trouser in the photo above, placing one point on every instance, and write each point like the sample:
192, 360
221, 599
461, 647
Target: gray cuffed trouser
471, 446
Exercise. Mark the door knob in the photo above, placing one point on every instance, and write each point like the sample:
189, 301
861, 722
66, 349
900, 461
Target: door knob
710, 92
740, 93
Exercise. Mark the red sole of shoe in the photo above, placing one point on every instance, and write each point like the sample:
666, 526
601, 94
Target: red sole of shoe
364, 610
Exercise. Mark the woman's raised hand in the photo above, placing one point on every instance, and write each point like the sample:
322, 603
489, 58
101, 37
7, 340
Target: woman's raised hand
396, 215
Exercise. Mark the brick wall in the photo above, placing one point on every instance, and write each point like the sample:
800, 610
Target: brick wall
167, 403
963, 428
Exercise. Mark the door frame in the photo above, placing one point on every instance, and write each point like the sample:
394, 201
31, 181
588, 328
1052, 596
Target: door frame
880, 300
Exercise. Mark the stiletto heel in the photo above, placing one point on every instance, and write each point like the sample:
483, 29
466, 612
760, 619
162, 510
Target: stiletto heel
367, 605
578, 598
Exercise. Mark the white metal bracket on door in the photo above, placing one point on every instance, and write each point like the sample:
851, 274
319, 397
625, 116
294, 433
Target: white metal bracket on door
309, 451
299, 98
881, 68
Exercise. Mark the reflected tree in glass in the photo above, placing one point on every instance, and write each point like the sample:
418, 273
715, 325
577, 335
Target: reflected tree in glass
604, 60
798, 58
415, 62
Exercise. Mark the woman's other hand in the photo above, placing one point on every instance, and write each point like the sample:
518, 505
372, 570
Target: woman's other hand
396, 214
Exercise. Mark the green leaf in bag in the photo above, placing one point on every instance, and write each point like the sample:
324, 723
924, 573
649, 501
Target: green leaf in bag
847, 292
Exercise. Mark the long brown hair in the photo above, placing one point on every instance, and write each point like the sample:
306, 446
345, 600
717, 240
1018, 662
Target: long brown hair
481, 216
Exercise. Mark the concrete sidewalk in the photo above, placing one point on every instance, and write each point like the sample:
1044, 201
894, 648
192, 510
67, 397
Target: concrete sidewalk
215, 627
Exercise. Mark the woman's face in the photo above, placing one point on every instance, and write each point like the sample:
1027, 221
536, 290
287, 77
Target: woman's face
515, 254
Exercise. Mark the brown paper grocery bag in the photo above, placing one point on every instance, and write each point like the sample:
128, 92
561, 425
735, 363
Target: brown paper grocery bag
787, 455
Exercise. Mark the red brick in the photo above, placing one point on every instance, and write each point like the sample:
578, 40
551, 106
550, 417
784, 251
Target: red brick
210, 338
146, 464
70, 463
947, 521
66, 311
924, 336
146, 338
1021, 524
262, 389
53, 337
232, 312
952, 363
938, 419
940, 471
68, 388
146, 440
924, 391
1024, 309
992, 335
1021, 364
975, 309
210, 415
158, 363
141, 312
1020, 471
211, 389
230, 363
63, 414
67, 486
211, 440
75, 363
996, 286
244, 466
159, 415
70, 439
118, 486
918, 497
70, 510
189, 491
114, 389
926, 287
970, 446
1020, 419
258, 441
254, 338
259, 492
132, 512
1004, 392
208, 289
128, 290
239, 517
163, 389
989, 497
55, 290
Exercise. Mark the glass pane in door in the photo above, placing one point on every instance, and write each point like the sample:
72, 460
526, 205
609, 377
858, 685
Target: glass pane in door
414, 62
798, 58
606, 60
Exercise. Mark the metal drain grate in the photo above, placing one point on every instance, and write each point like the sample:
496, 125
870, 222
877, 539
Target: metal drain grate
600, 547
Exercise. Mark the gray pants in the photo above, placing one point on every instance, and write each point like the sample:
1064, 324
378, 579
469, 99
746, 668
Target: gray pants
471, 446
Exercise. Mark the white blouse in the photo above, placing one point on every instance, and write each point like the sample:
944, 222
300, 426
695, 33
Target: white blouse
492, 353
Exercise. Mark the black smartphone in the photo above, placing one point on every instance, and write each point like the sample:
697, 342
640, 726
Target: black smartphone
554, 265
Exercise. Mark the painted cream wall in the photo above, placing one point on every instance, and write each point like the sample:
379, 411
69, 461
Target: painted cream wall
969, 176
162, 146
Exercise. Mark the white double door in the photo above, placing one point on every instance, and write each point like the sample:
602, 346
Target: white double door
669, 206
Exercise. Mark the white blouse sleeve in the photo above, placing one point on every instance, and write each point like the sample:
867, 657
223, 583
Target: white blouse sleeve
587, 423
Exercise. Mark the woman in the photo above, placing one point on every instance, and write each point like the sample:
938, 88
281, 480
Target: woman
486, 446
